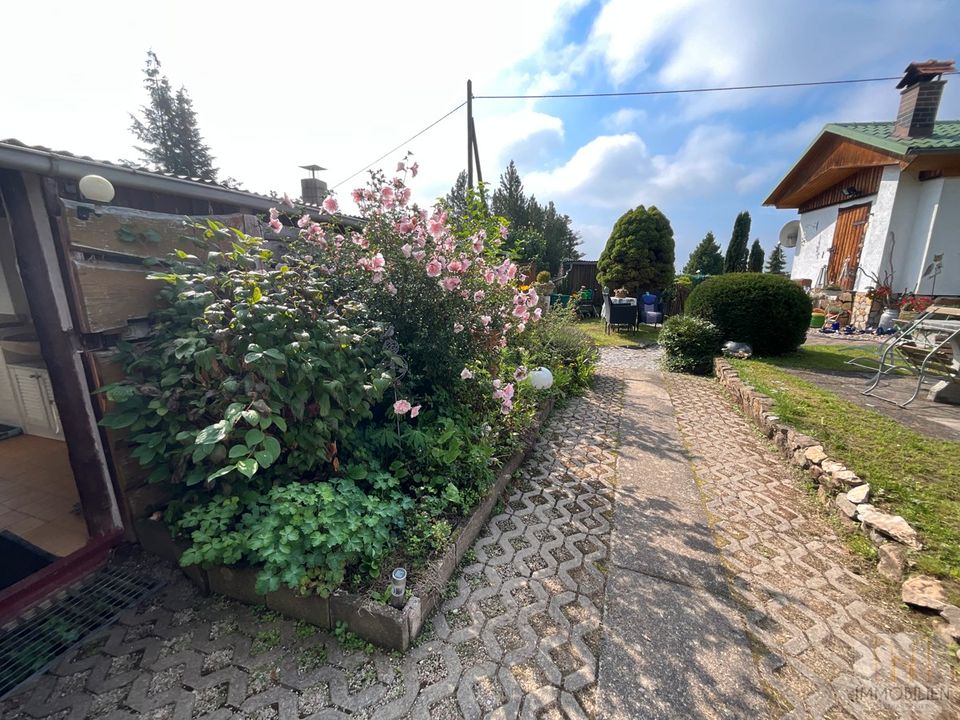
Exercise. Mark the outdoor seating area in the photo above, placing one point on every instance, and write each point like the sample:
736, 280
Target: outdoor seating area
927, 346
630, 313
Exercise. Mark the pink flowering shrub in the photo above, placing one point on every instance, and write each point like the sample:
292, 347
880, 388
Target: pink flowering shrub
449, 296
366, 379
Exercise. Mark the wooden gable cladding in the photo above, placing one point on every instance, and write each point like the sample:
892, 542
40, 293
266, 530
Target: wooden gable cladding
866, 182
831, 161
105, 253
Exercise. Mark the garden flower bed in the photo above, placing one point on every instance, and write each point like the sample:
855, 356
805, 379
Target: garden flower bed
377, 622
318, 415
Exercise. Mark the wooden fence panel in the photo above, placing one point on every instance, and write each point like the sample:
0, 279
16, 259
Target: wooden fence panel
141, 234
112, 294
106, 251
105, 370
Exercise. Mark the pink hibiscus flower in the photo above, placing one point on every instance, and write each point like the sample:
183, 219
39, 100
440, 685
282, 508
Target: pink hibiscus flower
415, 410
401, 407
465, 374
330, 204
450, 283
434, 268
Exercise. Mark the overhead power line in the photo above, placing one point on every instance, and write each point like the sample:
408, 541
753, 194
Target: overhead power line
637, 93
684, 91
399, 146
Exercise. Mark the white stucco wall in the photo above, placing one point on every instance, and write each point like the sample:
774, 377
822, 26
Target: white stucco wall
910, 222
944, 217
916, 226
878, 227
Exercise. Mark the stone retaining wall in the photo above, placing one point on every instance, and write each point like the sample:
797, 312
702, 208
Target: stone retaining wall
848, 495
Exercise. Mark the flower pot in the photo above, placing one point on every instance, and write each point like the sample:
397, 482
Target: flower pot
887, 319
817, 320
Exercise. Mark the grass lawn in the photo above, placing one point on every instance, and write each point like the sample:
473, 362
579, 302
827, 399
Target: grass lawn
624, 338
832, 358
909, 474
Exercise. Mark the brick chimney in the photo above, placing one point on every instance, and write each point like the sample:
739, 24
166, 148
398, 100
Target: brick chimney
920, 97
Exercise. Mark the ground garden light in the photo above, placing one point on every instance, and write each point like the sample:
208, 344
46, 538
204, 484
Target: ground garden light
541, 378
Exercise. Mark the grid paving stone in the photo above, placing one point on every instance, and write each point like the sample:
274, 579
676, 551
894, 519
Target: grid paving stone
832, 638
510, 641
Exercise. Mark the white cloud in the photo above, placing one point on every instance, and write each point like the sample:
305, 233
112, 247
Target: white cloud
332, 83
624, 118
602, 173
626, 32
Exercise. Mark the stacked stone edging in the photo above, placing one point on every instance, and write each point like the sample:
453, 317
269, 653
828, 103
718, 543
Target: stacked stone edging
841, 489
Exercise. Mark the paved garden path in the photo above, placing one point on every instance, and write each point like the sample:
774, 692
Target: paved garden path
831, 640
601, 590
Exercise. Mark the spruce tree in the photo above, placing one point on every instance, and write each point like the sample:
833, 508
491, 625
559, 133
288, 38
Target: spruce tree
776, 262
509, 200
456, 199
705, 258
539, 234
737, 252
168, 128
755, 263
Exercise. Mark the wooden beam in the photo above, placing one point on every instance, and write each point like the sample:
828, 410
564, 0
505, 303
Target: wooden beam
43, 282
139, 234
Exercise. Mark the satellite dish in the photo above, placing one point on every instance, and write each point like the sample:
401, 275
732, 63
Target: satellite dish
789, 234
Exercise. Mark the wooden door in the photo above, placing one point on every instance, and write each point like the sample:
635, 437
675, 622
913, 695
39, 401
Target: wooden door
847, 245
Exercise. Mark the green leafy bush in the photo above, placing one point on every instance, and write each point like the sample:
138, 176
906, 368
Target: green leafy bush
543, 276
689, 344
317, 411
251, 374
769, 312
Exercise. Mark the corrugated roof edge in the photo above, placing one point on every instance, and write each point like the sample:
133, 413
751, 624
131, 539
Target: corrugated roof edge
58, 162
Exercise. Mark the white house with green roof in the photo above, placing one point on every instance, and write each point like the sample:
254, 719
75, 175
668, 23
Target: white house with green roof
879, 202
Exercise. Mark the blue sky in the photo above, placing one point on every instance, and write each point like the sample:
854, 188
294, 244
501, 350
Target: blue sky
703, 158
340, 83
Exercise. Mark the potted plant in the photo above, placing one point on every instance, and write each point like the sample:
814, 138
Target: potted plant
911, 305
817, 317
544, 284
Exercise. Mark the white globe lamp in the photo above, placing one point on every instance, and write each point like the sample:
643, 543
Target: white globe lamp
541, 378
96, 188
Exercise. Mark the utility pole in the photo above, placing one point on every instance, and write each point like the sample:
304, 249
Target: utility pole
469, 133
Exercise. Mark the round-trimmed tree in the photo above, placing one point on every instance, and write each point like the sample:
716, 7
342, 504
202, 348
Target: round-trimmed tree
768, 311
639, 254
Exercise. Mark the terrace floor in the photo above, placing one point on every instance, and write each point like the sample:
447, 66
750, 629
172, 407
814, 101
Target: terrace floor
654, 559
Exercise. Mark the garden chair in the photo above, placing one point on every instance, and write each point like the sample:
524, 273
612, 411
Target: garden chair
618, 315
585, 306
929, 345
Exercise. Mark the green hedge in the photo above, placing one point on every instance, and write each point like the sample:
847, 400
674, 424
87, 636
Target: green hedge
689, 344
768, 311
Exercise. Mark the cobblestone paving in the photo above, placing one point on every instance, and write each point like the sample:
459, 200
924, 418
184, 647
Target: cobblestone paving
517, 636
832, 642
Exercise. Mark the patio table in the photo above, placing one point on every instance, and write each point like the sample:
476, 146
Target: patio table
616, 301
